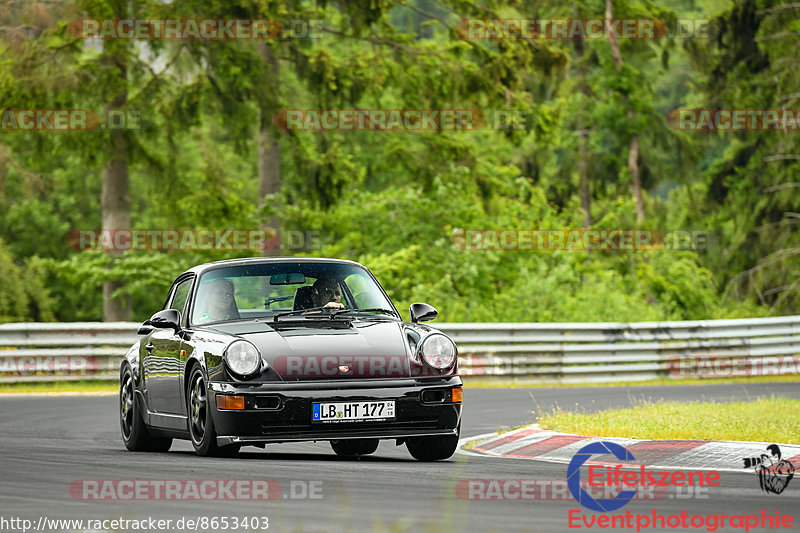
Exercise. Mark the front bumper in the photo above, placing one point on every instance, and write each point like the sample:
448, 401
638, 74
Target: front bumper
281, 412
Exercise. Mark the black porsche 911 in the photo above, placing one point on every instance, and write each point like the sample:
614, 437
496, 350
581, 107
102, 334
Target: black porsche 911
248, 352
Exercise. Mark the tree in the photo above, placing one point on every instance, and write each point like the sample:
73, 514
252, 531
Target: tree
750, 188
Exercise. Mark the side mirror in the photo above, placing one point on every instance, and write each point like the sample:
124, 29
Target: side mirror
168, 318
422, 312
146, 328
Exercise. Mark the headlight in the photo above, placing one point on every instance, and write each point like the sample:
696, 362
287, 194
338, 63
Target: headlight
438, 351
242, 358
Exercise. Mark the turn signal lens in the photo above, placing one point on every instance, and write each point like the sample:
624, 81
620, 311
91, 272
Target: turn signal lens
458, 395
231, 403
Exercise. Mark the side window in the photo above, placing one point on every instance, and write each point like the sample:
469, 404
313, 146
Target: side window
179, 297
360, 289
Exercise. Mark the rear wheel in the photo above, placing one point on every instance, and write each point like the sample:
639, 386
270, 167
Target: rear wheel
354, 447
433, 448
134, 430
201, 425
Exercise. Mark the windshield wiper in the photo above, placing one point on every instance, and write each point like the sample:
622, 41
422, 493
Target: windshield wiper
368, 309
333, 312
268, 301
296, 312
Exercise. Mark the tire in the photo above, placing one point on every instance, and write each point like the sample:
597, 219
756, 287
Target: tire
433, 448
354, 447
201, 423
131, 425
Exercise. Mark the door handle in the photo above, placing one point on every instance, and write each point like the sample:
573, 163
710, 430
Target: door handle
149, 347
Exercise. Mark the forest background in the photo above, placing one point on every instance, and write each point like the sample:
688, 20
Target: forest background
593, 147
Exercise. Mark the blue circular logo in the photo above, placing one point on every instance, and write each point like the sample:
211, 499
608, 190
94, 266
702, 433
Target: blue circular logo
574, 476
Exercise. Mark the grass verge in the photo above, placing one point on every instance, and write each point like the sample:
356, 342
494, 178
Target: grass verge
91, 386
762, 420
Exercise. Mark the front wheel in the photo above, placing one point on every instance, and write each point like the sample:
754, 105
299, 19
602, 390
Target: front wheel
354, 447
134, 430
433, 448
201, 425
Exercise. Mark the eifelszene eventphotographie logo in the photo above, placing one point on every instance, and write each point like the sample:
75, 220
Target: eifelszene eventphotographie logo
603, 471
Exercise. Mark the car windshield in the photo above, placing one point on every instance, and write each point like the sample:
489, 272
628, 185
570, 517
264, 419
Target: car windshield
249, 291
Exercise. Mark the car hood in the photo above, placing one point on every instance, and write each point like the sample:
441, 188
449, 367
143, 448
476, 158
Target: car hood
344, 350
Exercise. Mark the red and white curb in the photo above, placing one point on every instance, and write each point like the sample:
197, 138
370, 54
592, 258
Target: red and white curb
534, 443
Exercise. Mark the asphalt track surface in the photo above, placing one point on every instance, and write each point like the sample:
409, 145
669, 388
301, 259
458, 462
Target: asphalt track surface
47, 443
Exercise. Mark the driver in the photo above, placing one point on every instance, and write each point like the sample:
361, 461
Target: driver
219, 303
327, 293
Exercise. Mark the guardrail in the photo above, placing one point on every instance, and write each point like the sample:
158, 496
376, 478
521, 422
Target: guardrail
525, 352
36, 352
637, 351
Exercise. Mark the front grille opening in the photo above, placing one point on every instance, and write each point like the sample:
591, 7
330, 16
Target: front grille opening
434, 396
267, 402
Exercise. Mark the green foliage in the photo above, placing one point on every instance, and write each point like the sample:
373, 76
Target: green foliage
422, 261
24, 294
397, 202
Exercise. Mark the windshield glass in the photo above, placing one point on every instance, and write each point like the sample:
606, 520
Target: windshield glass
245, 292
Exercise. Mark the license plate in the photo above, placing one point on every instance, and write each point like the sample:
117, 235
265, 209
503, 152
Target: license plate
352, 411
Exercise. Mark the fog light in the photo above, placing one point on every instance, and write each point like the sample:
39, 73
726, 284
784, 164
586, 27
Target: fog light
458, 395
230, 403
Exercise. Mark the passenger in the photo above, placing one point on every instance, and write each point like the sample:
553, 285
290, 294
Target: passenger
219, 303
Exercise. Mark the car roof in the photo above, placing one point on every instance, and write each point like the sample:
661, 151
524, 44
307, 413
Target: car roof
199, 269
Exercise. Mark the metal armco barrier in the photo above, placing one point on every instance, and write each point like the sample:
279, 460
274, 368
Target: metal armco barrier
637, 351
40, 352
530, 352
